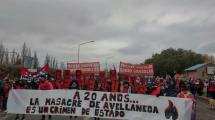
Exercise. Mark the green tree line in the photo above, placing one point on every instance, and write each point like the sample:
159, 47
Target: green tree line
176, 60
11, 61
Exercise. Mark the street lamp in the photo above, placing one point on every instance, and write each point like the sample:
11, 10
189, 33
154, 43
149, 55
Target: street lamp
106, 61
80, 46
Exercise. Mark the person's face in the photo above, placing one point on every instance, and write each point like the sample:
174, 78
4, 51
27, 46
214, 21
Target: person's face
42, 79
99, 85
185, 88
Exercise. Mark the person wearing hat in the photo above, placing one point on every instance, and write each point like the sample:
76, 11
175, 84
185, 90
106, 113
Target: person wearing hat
45, 85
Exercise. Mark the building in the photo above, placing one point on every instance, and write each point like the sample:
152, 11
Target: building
200, 71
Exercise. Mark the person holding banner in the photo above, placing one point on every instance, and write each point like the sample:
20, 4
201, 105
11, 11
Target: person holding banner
1, 94
91, 82
98, 88
74, 85
20, 85
33, 84
185, 93
7, 87
45, 85
126, 84
141, 87
102, 79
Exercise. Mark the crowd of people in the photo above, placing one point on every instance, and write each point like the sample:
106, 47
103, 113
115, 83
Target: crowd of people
158, 86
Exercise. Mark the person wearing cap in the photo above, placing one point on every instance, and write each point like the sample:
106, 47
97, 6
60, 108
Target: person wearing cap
45, 85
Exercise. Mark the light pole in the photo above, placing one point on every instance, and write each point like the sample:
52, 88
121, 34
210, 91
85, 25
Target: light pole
80, 46
106, 61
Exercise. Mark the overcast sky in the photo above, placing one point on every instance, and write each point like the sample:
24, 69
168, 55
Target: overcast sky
123, 30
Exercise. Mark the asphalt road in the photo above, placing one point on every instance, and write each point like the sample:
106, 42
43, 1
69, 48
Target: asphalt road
203, 113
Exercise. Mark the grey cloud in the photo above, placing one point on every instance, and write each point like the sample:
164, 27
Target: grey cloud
146, 27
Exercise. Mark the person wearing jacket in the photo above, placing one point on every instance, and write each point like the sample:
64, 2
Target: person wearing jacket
7, 87
185, 93
45, 85
74, 85
1, 93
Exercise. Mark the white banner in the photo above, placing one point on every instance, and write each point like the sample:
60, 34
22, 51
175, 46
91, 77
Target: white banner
98, 104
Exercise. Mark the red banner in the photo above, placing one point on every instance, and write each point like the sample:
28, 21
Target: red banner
136, 69
93, 67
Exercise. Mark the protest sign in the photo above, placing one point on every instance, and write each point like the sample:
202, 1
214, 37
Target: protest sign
92, 67
136, 69
98, 104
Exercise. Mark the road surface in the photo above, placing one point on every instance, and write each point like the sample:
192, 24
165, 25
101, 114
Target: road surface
203, 113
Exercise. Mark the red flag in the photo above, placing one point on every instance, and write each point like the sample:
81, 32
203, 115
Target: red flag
91, 82
66, 77
113, 75
58, 76
133, 83
83, 80
102, 79
80, 79
24, 72
45, 68
78, 75
115, 86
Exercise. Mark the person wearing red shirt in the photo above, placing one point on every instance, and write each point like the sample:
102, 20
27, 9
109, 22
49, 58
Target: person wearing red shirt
57, 84
45, 85
156, 91
91, 83
141, 87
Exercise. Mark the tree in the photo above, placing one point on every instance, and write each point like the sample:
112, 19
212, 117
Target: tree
13, 57
53, 63
36, 61
6, 58
62, 66
209, 59
2, 52
47, 60
56, 64
29, 52
171, 60
24, 52
18, 60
